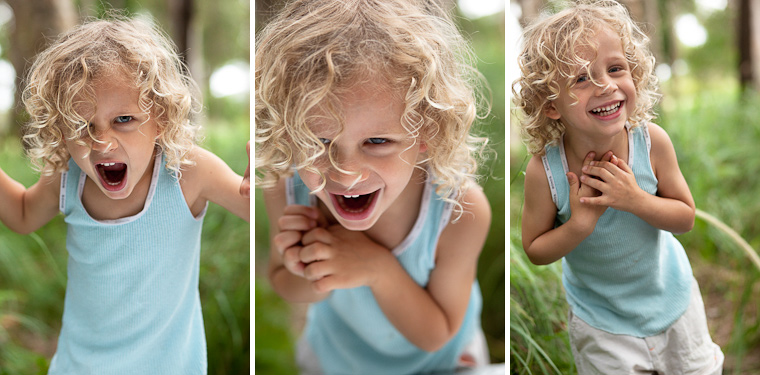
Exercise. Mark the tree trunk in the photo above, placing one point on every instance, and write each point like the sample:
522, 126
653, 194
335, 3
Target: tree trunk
749, 45
35, 23
181, 15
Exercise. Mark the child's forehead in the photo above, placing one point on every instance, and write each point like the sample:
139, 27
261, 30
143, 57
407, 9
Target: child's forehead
367, 105
583, 49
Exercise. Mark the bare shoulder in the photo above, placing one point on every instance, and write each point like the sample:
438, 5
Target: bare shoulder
467, 232
536, 182
661, 142
211, 179
662, 154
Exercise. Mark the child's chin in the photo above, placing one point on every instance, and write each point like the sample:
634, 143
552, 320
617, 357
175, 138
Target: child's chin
356, 225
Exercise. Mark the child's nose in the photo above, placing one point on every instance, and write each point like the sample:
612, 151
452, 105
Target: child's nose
347, 175
104, 142
606, 86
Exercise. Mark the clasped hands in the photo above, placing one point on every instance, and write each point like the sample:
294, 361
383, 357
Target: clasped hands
328, 256
607, 182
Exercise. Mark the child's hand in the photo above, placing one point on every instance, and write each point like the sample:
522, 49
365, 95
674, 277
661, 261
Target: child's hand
616, 182
338, 258
582, 214
245, 186
294, 222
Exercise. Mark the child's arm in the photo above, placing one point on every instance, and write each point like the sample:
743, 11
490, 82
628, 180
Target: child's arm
26, 210
428, 317
672, 209
286, 227
544, 244
211, 179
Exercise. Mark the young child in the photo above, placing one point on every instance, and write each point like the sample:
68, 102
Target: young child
110, 131
363, 113
603, 192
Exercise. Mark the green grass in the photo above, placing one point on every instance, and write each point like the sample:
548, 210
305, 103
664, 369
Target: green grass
33, 273
715, 133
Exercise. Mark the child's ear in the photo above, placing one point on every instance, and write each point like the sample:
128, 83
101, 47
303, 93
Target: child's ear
423, 146
551, 111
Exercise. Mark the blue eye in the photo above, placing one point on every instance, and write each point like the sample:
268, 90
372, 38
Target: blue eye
581, 79
377, 141
123, 119
325, 141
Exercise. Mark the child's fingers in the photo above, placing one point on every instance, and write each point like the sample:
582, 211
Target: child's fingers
317, 270
589, 158
572, 180
605, 171
245, 186
623, 165
325, 284
297, 209
317, 234
600, 200
296, 222
607, 156
315, 252
292, 261
283, 240
593, 183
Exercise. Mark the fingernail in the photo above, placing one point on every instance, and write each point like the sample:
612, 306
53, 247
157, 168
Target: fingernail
583, 178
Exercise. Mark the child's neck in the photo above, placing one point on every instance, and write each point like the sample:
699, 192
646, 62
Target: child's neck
577, 147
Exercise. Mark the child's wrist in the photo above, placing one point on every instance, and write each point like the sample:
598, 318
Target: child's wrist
580, 227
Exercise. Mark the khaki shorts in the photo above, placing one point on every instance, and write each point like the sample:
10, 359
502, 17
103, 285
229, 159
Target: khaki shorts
685, 348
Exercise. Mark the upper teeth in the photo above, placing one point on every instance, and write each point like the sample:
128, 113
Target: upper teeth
108, 164
607, 108
350, 196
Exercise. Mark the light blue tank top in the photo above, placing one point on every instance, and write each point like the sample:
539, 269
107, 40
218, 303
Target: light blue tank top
627, 277
350, 334
132, 303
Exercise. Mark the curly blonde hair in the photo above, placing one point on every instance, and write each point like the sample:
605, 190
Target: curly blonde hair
62, 79
315, 50
552, 52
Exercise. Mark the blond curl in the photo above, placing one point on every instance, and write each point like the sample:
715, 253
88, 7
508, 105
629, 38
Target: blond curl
552, 53
314, 51
62, 77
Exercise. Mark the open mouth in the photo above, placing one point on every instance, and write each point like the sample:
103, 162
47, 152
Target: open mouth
608, 110
112, 175
355, 207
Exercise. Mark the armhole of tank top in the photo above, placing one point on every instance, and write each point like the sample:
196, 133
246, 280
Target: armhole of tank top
647, 138
550, 178
62, 193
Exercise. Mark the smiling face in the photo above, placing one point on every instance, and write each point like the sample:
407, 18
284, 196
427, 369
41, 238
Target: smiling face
121, 154
374, 157
603, 102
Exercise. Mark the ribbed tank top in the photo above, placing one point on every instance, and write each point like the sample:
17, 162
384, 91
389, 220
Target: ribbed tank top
349, 332
627, 277
132, 304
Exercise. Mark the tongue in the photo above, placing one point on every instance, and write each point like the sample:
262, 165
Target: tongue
114, 173
356, 203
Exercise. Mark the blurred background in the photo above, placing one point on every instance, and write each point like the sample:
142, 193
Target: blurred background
708, 64
214, 38
278, 324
